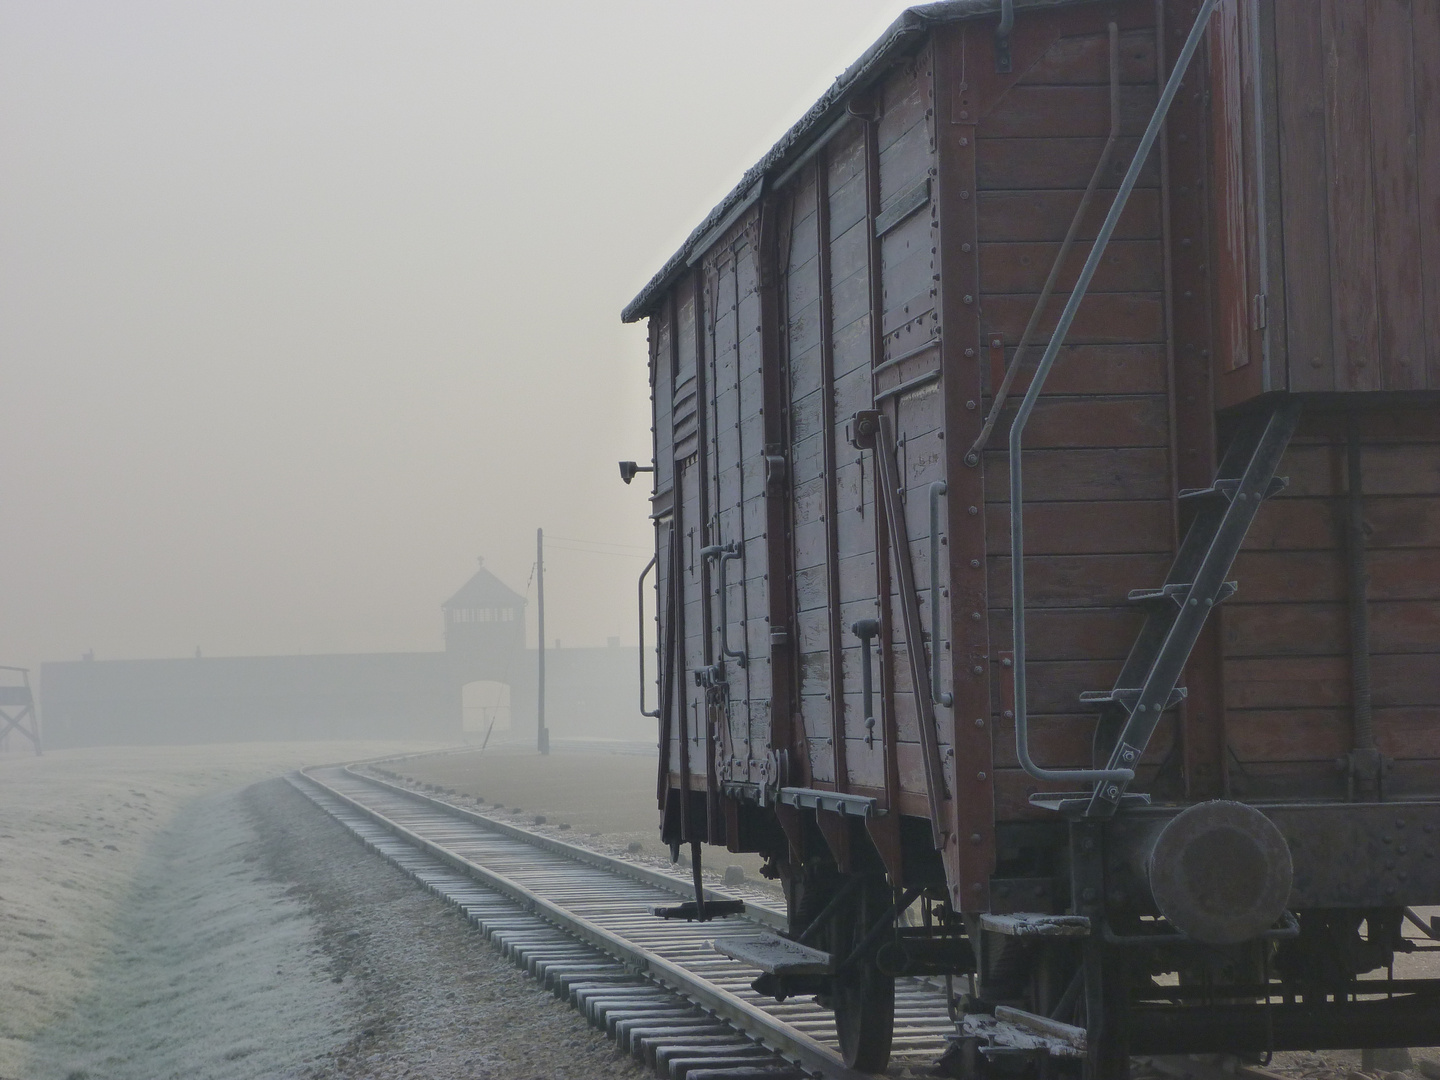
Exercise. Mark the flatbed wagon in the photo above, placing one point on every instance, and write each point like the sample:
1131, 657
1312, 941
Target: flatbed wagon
1030, 280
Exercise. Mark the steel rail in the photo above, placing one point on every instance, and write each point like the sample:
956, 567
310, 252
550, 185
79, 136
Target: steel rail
768, 1030
747, 1020
643, 874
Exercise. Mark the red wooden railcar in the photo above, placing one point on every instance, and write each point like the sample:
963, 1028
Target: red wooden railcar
1164, 829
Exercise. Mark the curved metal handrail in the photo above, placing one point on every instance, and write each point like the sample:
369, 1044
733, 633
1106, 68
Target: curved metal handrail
1027, 405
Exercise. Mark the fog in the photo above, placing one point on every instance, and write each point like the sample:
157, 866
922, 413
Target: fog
304, 306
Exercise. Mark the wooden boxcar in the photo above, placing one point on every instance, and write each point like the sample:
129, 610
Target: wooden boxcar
1158, 831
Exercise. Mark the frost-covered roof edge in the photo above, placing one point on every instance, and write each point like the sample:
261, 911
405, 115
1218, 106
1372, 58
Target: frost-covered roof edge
911, 25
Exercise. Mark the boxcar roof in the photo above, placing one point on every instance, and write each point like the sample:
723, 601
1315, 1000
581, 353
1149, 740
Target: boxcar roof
901, 36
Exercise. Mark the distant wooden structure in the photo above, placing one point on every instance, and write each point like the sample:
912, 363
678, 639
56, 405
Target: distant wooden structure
17, 710
484, 627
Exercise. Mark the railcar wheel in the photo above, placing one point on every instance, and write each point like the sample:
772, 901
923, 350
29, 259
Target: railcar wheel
864, 1002
861, 995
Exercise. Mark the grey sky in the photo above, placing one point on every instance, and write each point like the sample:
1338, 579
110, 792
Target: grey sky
304, 305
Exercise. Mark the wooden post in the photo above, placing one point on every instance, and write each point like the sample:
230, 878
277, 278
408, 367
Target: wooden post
542, 735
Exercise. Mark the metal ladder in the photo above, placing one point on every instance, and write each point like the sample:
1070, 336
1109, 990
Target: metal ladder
1176, 612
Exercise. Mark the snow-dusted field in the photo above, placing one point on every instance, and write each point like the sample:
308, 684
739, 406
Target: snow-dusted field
139, 936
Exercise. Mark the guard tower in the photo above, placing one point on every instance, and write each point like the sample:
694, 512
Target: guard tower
17, 707
485, 629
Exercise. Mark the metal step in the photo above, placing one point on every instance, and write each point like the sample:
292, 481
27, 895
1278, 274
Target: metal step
776, 955
1027, 924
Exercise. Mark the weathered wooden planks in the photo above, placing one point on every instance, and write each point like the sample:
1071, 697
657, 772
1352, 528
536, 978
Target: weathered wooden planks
906, 257
1354, 117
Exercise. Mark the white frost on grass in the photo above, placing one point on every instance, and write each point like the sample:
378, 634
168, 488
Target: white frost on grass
217, 972
103, 959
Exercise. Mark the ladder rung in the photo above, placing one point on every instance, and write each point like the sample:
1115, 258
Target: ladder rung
1224, 490
1176, 594
1127, 698
1220, 489
1074, 802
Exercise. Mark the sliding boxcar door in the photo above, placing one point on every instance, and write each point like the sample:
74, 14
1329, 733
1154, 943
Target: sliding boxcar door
692, 641
739, 698
849, 334
812, 467
908, 389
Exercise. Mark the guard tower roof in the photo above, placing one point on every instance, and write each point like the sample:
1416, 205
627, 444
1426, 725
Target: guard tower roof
484, 590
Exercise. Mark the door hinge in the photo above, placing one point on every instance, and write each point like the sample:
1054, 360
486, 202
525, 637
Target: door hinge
1261, 314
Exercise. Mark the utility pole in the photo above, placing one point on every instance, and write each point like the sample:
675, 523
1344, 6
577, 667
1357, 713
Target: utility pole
542, 735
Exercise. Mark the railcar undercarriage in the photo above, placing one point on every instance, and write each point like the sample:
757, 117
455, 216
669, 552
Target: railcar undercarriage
1102, 968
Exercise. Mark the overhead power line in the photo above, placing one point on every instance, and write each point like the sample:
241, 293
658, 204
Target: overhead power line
634, 548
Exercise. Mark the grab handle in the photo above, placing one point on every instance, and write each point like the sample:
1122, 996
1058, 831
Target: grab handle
722, 555
866, 630
947, 699
641, 609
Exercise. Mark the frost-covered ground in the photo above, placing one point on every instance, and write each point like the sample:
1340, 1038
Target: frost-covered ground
139, 934
172, 913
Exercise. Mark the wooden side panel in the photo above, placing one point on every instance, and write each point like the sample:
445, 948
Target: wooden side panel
810, 464
1398, 272
1193, 437
692, 454
907, 373
1239, 342
850, 343
662, 389
1426, 57
1352, 203
753, 629
680, 509
741, 709
1357, 104
1287, 632
1098, 446
662, 398
1304, 160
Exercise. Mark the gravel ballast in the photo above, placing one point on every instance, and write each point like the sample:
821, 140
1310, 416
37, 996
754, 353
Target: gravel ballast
433, 998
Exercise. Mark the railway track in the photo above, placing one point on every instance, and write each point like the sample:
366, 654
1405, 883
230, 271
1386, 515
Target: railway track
579, 922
